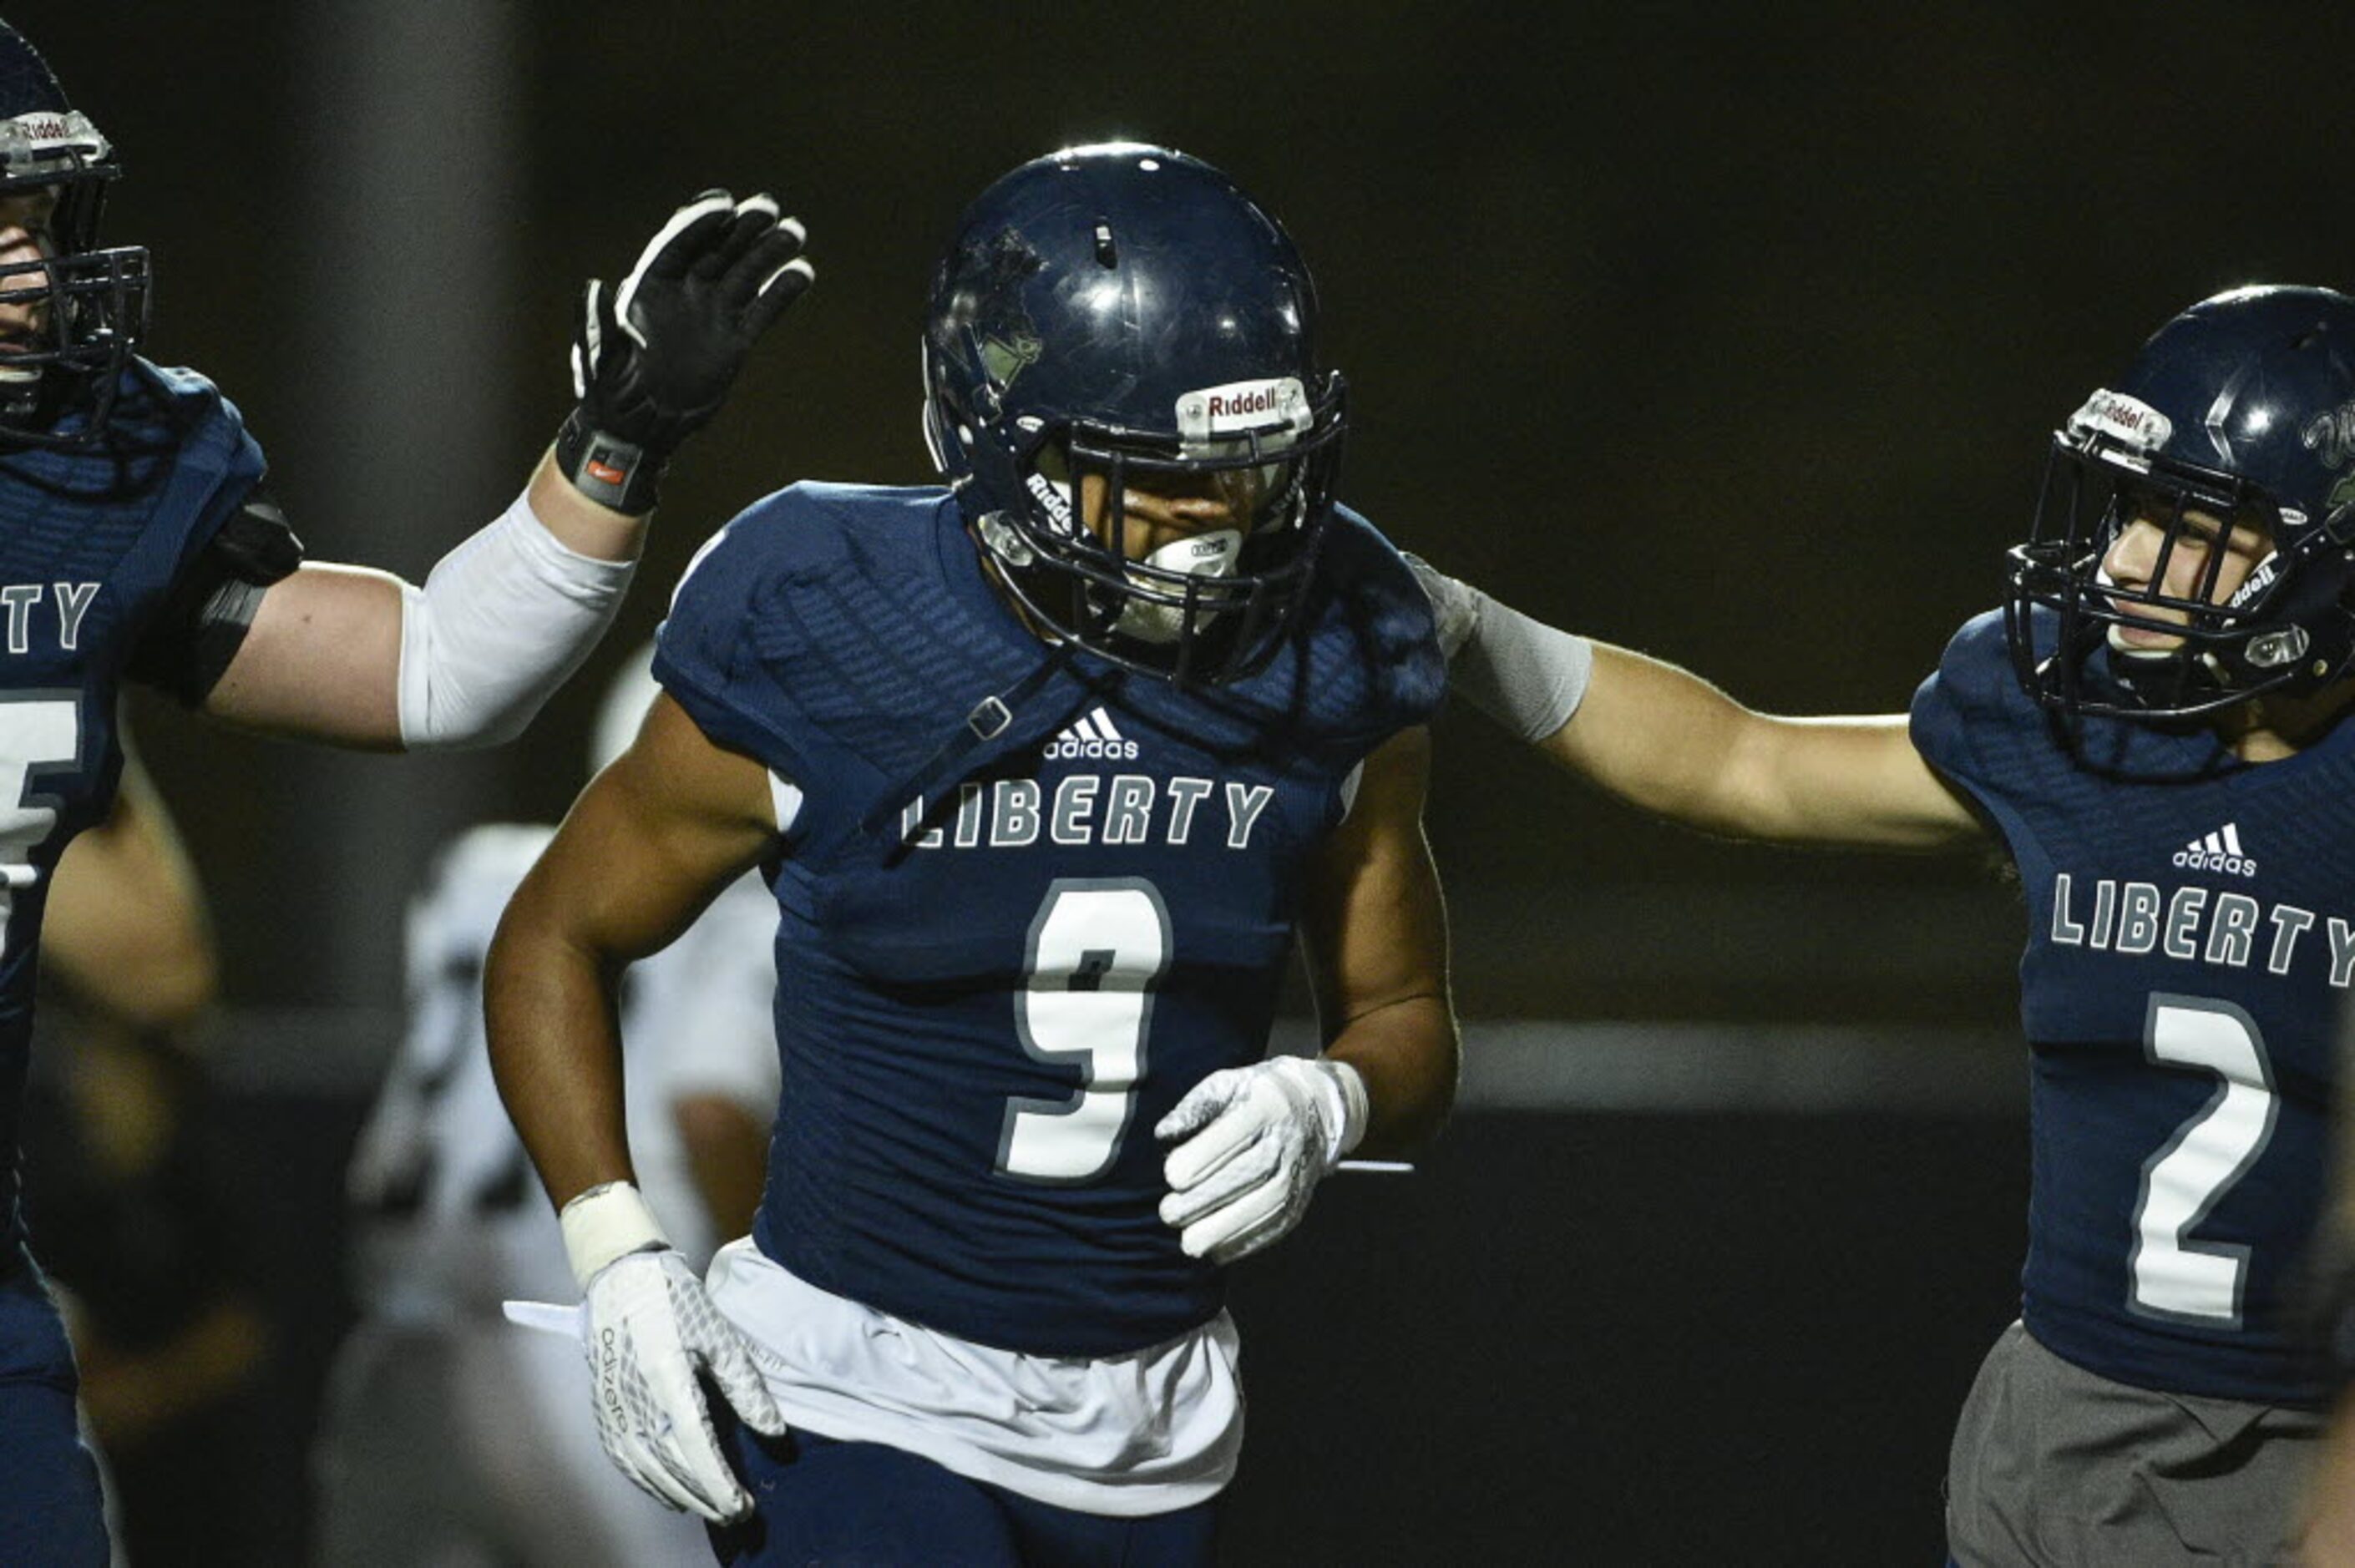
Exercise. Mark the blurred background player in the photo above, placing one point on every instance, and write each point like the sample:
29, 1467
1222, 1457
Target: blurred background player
2153, 729
453, 1434
137, 540
134, 1210
1044, 770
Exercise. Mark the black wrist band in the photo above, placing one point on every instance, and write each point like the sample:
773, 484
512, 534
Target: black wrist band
608, 471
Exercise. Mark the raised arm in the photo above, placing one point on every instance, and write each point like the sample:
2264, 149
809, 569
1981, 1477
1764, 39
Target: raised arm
355, 657
1664, 739
1254, 1142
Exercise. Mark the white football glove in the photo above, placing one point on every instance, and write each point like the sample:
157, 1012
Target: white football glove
649, 1329
1257, 1140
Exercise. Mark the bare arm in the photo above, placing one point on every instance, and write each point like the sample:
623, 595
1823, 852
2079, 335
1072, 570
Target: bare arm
322, 660
651, 841
126, 929
1666, 740
1376, 938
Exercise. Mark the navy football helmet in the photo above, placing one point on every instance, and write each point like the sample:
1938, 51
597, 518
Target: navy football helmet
89, 306
2240, 413
1125, 314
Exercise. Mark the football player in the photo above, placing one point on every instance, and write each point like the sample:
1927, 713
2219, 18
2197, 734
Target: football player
418, 1449
2152, 727
137, 540
1045, 769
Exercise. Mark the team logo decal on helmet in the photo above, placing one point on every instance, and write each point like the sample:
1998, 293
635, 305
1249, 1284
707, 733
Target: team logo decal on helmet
80, 309
1003, 334
2233, 429
1120, 317
2331, 436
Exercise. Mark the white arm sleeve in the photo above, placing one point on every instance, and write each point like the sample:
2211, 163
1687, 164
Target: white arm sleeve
501, 621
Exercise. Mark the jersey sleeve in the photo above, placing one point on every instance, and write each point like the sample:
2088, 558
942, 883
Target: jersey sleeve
1966, 692
216, 539
1973, 724
713, 654
193, 638
1376, 653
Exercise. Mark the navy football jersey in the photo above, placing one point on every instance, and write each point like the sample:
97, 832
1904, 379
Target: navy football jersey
995, 978
91, 543
2192, 937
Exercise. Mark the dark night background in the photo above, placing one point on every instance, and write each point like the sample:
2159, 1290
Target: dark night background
1730, 333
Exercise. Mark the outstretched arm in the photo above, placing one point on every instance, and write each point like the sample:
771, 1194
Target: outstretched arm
357, 657
1664, 739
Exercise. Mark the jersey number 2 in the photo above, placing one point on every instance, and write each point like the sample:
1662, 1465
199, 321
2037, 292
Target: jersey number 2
1098, 947
2167, 1275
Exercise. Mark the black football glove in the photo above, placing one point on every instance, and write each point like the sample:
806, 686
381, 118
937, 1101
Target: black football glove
653, 359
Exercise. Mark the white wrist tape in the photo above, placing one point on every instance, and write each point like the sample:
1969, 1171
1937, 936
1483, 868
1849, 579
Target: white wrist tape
1348, 1104
1523, 674
501, 621
607, 1221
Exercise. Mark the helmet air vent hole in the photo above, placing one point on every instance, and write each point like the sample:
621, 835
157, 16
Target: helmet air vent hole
1107, 254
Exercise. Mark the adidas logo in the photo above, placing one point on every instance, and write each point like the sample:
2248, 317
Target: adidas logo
1093, 737
2219, 851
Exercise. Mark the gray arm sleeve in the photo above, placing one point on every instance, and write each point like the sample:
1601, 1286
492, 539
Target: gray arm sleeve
1523, 674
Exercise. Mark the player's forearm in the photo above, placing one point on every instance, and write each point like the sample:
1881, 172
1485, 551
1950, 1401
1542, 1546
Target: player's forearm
1408, 1054
1668, 742
505, 618
1657, 737
556, 1052
1663, 739
578, 523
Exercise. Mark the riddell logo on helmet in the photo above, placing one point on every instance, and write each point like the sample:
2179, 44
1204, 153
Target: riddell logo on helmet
1239, 407
1050, 496
1224, 406
2127, 419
